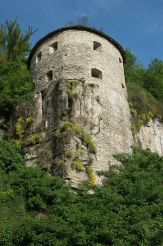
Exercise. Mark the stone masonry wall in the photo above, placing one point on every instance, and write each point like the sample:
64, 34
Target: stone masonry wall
98, 105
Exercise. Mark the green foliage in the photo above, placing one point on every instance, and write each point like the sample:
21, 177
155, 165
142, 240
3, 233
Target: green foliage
19, 128
145, 88
87, 139
67, 128
143, 106
38, 209
73, 83
154, 79
37, 188
15, 81
15, 85
10, 157
13, 44
77, 165
134, 72
60, 163
28, 120
91, 175
33, 138
70, 128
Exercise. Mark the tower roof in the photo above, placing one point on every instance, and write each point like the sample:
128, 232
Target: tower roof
76, 27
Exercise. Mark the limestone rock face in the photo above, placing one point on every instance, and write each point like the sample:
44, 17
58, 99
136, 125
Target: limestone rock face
80, 109
150, 137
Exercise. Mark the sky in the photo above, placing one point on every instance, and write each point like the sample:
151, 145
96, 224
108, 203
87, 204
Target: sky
135, 24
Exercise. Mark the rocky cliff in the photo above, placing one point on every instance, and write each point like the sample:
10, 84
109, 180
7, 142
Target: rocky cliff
150, 137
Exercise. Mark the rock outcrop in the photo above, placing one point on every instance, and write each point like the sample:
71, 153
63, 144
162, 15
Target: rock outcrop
150, 137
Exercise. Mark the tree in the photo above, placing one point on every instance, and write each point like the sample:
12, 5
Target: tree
154, 79
126, 210
15, 85
13, 43
145, 90
15, 81
134, 72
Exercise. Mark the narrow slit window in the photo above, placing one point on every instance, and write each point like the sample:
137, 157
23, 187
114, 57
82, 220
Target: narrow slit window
49, 75
120, 60
38, 57
53, 47
96, 73
97, 46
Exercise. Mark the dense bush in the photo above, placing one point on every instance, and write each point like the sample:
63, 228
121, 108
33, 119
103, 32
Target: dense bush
15, 81
10, 157
143, 106
153, 80
15, 85
145, 90
38, 209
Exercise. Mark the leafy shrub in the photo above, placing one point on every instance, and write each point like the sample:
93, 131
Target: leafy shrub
38, 209
15, 85
145, 90
77, 165
153, 80
70, 128
143, 106
10, 157
91, 175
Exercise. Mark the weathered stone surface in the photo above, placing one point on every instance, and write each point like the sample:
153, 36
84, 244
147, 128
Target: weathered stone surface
150, 137
97, 105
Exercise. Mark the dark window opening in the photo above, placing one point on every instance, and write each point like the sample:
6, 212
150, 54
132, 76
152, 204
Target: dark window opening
38, 57
97, 46
49, 75
96, 73
120, 60
54, 47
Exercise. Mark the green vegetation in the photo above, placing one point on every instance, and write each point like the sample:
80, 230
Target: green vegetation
77, 165
15, 85
15, 81
70, 128
13, 44
72, 92
91, 175
87, 139
38, 209
145, 90
19, 129
34, 138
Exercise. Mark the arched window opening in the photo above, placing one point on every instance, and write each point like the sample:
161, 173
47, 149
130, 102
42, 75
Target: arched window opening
53, 47
97, 46
96, 73
38, 57
49, 75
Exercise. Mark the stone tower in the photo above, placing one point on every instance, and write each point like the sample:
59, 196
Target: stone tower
81, 102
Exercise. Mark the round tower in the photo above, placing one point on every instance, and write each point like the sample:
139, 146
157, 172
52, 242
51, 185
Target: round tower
98, 100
